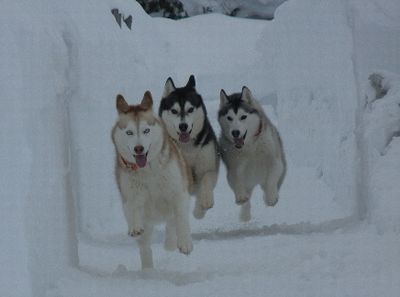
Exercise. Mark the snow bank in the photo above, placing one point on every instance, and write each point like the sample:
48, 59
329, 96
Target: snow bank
376, 29
382, 140
37, 240
316, 92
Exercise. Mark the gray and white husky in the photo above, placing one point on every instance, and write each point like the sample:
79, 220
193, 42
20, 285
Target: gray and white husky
185, 117
251, 149
153, 178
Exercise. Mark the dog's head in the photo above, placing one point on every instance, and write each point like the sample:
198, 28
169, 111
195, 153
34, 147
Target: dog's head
238, 117
137, 134
182, 110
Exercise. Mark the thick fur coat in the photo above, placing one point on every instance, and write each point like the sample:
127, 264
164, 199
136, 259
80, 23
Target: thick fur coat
251, 149
153, 178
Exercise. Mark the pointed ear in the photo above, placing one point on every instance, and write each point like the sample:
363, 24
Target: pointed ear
169, 87
147, 101
246, 95
223, 98
122, 106
191, 82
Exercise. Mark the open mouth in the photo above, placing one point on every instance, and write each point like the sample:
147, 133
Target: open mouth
184, 136
141, 160
239, 141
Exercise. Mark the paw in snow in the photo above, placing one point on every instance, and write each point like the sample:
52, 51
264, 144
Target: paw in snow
199, 212
241, 199
134, 232
186, 248
207, 201
272, 199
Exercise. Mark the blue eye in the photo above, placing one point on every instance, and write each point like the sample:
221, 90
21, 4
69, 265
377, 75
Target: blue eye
129, 132
146, 131
243, 117
229, 118
174, 111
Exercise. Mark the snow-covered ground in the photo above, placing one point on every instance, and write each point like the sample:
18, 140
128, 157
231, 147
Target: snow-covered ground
336, 228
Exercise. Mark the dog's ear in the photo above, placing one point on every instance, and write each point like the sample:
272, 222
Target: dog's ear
191, 82
169, 87
246, 95
122, 106
147, 101
223, 98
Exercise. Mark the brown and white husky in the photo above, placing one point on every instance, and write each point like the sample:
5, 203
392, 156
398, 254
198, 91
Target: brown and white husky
153, 178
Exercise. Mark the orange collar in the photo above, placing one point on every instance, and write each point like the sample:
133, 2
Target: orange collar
125, 164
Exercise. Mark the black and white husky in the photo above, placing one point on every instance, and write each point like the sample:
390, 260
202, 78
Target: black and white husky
251, 149
185, 117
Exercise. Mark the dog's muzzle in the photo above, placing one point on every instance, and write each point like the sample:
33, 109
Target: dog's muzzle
141, 160
184, 136
239, 141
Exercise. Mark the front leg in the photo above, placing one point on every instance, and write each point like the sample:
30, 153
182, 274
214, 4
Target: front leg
144, 243
206, 189
242, 194
181, 213
205, 195
271, 184
134, 213
170, 243
133, 204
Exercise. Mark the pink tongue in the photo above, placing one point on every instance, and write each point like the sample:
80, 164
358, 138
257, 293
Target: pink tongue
184, 137
239, 141
141, 160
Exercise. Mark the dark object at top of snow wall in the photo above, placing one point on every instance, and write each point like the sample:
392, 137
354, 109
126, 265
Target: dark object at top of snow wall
119, 17
175, 9
172, 9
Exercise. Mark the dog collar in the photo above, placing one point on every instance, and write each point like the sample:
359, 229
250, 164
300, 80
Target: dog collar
259, 129
125, 164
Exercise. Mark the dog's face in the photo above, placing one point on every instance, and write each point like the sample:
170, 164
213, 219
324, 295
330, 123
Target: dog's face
138, 133
182, 110
238, 118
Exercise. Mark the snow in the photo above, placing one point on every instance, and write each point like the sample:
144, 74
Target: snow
328, 264
63, 231
382, 134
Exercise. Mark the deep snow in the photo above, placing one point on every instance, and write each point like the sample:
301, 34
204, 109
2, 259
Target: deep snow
62, 224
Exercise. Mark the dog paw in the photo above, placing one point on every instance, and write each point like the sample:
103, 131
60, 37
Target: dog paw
134, 232
199, 212
242, 199
272, 202
272, 199
207, 203
186, 248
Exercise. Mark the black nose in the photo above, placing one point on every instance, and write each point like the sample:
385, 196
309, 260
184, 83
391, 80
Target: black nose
235, 133
183, 127
138, 149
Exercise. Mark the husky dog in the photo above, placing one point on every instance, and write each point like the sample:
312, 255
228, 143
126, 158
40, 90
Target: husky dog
185, 117
251, 149
153, 178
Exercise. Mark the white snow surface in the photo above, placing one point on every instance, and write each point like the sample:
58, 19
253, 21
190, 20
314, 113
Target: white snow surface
336, 228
